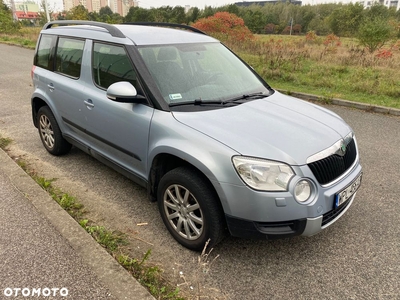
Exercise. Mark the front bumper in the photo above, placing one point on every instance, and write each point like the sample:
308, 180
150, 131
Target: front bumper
276, 230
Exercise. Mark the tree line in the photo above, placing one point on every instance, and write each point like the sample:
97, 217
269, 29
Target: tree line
280, 18
343, 20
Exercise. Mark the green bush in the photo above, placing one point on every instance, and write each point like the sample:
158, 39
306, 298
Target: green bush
374, 33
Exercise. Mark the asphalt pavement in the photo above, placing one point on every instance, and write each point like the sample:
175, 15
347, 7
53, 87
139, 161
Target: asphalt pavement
44, 253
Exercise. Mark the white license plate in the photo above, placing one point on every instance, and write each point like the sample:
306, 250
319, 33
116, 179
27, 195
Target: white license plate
347, 192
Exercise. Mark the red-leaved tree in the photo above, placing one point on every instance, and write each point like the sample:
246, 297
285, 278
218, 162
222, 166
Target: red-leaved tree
225, 26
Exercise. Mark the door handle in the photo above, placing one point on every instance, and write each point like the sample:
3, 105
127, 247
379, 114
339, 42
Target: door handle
51, 87
89, 103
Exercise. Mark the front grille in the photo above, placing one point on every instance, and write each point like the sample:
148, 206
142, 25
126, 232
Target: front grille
330, 216
332, 167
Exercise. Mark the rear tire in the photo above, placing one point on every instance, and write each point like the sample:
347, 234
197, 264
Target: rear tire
190, 209
50, 133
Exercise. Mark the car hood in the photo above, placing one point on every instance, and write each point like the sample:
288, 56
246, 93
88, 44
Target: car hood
278, 127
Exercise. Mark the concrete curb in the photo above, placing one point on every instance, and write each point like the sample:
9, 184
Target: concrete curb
341, 102
112, 275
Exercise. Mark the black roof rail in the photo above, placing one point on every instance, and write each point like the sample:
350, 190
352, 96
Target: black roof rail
163, 24
114, 31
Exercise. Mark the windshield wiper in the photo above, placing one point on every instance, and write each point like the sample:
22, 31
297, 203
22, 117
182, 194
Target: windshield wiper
252, 96
197, 102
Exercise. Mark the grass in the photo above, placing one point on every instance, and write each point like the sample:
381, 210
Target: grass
334, 69
149, 277
26, 37
4, 142
324, 66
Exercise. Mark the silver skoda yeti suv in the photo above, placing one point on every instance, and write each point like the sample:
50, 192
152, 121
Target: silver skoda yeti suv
180, 114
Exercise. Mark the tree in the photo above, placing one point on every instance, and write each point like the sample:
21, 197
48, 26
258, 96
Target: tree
94, 16
105, 14
374, 33
377, 11
139, 14
307, 16
7, 24
232, 9
78, 12
192, 15
208, 12
270, 28
255, 20
346, 19
178, 15
225, 26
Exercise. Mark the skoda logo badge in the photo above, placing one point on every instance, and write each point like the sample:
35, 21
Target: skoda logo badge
342, 149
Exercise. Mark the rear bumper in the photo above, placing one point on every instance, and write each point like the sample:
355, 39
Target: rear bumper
276, 230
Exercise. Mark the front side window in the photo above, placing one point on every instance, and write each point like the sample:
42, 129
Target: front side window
69, 56
43, 55
111, 64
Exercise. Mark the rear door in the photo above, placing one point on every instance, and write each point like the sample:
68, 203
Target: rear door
66, 85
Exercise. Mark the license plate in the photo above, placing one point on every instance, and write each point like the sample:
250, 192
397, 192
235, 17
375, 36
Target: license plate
347, 192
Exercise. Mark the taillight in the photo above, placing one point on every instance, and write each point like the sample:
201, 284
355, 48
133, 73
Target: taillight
32, 70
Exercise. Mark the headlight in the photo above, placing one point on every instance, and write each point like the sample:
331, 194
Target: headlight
263, 175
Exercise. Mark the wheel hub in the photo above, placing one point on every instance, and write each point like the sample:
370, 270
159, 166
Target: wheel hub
183, 212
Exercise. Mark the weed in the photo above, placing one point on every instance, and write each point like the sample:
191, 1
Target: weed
22, 164
113, 241
149, 276
45, 184
341, 66
110, 240
326, 99
4, 142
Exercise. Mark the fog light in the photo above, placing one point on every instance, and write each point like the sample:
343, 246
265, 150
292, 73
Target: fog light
302, 191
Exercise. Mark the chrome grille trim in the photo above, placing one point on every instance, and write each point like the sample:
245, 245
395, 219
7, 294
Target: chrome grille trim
334, 149
333, 168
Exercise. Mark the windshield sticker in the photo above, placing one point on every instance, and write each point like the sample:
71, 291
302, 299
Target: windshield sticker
175, 96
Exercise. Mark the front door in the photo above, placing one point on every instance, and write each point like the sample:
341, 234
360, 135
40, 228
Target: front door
117, 131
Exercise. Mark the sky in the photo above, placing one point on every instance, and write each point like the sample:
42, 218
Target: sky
198, 3
57, 4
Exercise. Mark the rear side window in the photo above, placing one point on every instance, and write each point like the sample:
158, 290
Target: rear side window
43, 57
69, 56
111, 64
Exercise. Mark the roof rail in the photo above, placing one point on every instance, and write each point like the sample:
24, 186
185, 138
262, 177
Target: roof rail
114, 31
163, 24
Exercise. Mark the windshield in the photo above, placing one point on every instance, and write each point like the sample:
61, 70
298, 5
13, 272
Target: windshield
187, 73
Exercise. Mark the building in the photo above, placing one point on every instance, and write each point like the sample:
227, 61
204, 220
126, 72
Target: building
117, 6
262, 3
387, 3
27, 10
28, 15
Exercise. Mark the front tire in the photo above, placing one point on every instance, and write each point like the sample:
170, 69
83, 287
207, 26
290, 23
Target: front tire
50, 133
190, 209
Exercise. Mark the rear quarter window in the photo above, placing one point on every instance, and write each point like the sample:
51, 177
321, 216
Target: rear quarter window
69, 56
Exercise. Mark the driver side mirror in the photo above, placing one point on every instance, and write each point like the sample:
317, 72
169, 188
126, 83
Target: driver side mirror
124, 92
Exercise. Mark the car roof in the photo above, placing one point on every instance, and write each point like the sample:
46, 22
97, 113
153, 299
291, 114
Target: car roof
149, 35
140, 35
